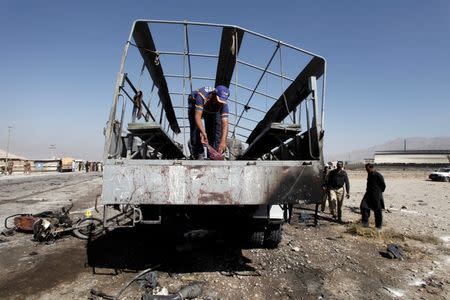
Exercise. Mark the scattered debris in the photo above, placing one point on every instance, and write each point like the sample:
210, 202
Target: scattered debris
418, 282
148, 280
306, 219
47, 226
393, 251
433, 285
95, 294
395, 292
159, 291
8, 232
187, 292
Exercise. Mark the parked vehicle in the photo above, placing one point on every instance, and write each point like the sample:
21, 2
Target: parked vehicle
66, 164
274, 156
442, 174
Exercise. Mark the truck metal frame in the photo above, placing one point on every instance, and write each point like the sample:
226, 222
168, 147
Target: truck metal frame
272, 161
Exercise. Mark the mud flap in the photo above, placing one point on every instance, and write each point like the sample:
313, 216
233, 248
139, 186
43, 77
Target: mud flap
271, 213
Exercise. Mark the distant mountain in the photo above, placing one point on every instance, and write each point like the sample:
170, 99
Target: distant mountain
412, 143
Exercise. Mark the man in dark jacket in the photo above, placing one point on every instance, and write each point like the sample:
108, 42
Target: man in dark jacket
373, 198
335, 183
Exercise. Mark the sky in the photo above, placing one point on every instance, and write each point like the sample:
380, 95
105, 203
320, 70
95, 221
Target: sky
388, 65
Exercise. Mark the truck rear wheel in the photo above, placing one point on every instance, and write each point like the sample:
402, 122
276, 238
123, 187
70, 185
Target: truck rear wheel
272, 236
256, 239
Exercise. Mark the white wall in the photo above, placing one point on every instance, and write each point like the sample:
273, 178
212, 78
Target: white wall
412, 159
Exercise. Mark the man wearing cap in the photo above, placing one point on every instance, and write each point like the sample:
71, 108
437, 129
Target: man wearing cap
210, 104
335, 183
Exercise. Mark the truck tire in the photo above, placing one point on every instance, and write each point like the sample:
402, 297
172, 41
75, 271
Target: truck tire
272, 236
256, 239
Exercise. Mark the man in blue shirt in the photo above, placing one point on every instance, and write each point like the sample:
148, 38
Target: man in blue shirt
210, 104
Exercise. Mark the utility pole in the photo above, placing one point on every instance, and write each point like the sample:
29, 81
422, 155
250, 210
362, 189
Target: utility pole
52, 149
7, 145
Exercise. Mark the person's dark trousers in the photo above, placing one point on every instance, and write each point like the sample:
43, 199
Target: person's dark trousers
213, 128
365, 214
196, 144
378, 217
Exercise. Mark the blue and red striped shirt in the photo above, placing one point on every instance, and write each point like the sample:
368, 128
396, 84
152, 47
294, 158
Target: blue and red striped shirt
200, 100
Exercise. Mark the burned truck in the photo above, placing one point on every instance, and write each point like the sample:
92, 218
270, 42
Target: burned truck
274, 144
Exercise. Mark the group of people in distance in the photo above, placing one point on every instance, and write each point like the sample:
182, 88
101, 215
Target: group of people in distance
337, 187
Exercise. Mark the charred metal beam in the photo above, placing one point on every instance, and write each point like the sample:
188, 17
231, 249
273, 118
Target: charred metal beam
229, 49
157, 138
296, 92
272, 136
146, 45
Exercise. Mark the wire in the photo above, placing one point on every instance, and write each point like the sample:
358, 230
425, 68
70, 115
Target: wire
9, 217
157, 61
134, 279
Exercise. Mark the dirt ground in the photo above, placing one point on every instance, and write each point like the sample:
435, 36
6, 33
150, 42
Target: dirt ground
330, 261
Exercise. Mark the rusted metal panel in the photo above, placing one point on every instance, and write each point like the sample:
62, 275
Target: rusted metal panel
25, 222
169, 182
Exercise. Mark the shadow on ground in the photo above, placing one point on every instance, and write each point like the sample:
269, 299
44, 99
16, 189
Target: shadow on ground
143, 247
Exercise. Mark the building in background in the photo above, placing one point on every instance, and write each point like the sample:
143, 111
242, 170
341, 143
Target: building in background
18, 161
36, 165
46, 165
416, 157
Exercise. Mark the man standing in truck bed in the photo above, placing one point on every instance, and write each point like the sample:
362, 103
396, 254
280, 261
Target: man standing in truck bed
211, 104
337, 178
